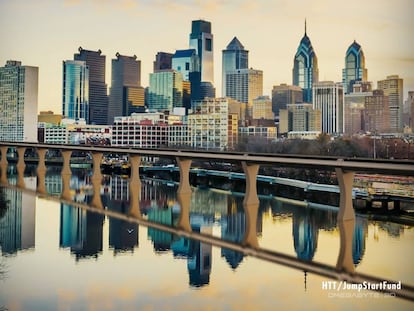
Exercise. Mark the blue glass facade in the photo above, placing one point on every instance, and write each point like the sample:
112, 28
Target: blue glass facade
305, 67
75, 103
354, 67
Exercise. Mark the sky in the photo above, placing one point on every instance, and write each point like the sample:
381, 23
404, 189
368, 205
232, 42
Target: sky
44, 33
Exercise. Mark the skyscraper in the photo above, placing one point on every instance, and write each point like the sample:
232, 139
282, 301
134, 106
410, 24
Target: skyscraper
354, 67
328, 97
201, 40
98, 98
393, 88
75, 97
18, 102
283, 95
165, 90
305, 67
376, 116
126, 94
234, 57
162, 61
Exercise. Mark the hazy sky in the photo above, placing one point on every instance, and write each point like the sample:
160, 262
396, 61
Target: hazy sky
43, 33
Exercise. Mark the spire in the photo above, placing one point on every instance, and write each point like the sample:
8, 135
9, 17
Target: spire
305, 26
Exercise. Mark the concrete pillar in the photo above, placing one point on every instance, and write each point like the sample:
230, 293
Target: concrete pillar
345, 181
134, 187
66, 173
184, 165
96, 180
41, 171
3, 165
346, 233
184, 199
66, 154
250, 170
21, 165
96, 163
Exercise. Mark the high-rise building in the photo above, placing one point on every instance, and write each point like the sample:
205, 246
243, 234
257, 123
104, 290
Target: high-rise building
300, 118
328, 97
126, 94
283, 95
18, 102
376, 117
185, 61
305, 67
244, 85
201, 40
165, 90
75, 97
262, 109
409, 103
393, 88
162, 61
354, 67
234, 57
98, 98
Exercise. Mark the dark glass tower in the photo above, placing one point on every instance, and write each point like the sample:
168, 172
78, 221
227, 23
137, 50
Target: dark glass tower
98, 98
305, 67
354, 67
234, 57
125, 88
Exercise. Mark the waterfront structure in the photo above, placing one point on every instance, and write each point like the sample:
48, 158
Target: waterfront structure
244, 85
126, 94
18, 102
163, 60
305, 67
283, 95
213, 123
165, 90
98, 98
393, 88
354, 67
376, 117
75, 97
328, 97
300, 118
201, 40
234, 57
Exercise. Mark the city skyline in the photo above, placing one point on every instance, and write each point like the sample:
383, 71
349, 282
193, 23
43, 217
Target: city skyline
48, 32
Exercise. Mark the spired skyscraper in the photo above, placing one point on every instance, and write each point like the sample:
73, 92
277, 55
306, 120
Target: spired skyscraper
75, 97
234, 57
98, 98
305, 67
354, 67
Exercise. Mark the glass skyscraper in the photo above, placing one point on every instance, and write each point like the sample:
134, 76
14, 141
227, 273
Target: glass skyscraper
125, 88
98, 98
75, 100
234, 57
305, 67
354, 67
18, 102
165, 90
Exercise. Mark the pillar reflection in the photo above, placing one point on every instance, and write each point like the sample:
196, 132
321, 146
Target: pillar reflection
134, 187
66, 174
346, 232
41, 171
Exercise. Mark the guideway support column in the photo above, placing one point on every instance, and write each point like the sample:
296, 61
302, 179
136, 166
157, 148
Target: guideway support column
41, 170
345, 181
184, 194
4, 164
134, 187
251, 204
66, 174
96, 179
20, 167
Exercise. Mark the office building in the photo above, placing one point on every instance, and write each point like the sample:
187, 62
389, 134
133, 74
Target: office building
376, 117
201, 40
75, 98
18, 102
165, 90
283, 95
300, 118
186, 61
126, 94
354, 67
163, 60
262, 109
328, 97
409, 107
305, 67
393, 88
234, 57
244, 85
98, 98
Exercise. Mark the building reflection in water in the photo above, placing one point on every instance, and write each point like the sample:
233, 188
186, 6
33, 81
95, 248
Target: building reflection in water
359, 239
